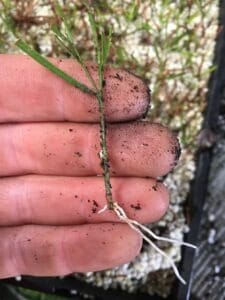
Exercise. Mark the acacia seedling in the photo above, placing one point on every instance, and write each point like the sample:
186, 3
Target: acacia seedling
102, 43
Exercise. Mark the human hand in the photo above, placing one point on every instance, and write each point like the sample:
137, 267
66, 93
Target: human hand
49, 189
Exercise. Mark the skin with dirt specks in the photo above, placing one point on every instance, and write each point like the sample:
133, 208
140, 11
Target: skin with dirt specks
49, 159
54, 100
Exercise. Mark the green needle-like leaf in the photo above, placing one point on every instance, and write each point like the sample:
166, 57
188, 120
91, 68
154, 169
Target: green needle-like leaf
67, 43
105, 44
47, 64
94, 28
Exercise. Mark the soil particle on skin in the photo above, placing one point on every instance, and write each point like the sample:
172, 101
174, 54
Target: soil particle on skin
93, 67
119, 77
35, 257
78, 154
95, 203
125, 146
174, 164
48, 154
132, 104
126, 110
176, 149
177, 152
136, 206
148, 106
94, 210
155, 187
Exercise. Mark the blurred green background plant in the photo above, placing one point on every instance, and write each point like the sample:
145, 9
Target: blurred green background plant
33, 295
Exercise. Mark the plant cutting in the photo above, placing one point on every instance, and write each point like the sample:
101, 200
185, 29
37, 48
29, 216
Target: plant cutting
102, 46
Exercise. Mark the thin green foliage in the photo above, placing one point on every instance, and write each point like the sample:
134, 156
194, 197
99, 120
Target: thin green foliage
104, 48
6, 17
94, 29
102, 44
132, 11
26, 294
66, 41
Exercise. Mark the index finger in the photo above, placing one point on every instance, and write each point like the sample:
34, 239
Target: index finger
31, 93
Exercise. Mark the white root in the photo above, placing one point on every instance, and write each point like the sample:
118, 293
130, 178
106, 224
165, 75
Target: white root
145, 231
103, 209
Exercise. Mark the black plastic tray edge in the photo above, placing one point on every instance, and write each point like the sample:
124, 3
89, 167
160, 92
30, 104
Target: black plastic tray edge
196, 202
198, 192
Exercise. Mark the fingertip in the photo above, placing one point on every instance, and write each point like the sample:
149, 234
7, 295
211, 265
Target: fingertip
144, 200
121, 247
162, 200
134, 242
127, 96
109, 245
164, 148
142, 149
172, 149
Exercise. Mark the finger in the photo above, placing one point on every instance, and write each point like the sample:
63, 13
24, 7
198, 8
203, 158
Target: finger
135, 149
29, 92
69, 201
52, 251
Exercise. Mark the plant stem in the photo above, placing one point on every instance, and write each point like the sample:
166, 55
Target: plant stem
104, 152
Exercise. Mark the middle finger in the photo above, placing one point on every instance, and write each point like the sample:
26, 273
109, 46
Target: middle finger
72, 149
